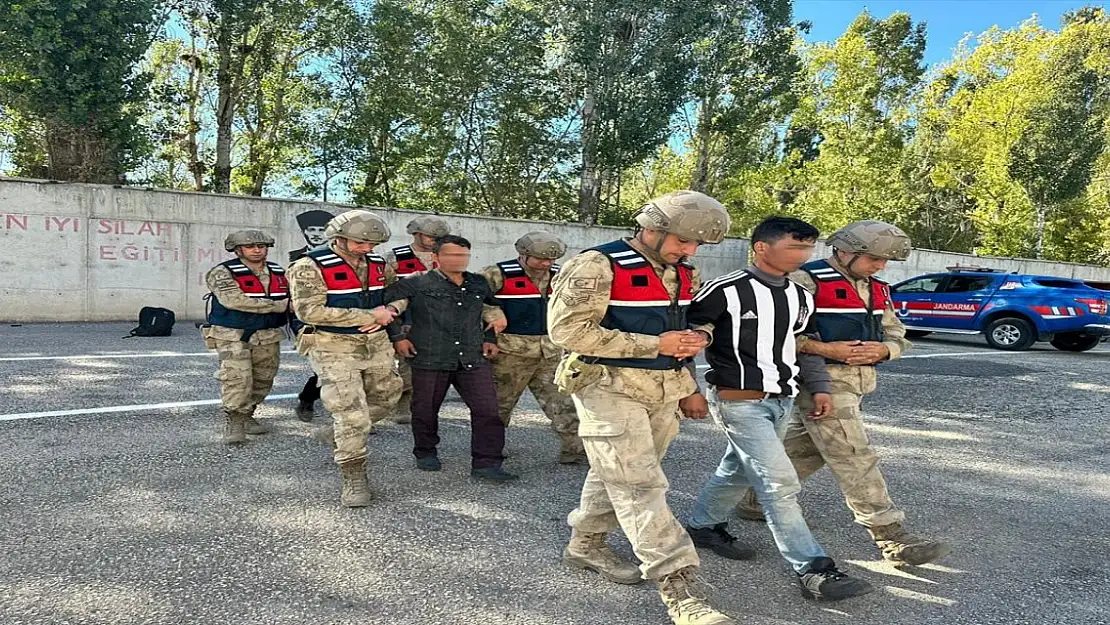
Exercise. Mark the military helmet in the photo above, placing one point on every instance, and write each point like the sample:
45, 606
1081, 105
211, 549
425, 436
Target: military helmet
875, 238
431, 226
247, 237
541, 244
358, 225
686, 214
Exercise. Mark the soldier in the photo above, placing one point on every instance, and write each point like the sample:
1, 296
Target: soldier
619, 309
408, 261
248, 311
858, 329
312, 224
337, 293
526, 356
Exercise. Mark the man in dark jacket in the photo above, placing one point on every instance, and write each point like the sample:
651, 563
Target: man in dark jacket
450, 344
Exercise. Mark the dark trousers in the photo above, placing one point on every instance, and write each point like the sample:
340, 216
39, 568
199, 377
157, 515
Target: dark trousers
311, 391
476, 387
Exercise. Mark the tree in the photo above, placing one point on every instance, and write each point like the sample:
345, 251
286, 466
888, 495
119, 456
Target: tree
625, 65
71, 67
743, 83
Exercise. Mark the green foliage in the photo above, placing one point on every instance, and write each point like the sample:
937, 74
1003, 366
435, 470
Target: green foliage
70, 67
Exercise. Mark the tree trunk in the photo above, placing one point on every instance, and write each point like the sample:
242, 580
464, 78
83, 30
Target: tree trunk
196, 75
225, 111
589, 189
702, 139
80, 154
1041, 211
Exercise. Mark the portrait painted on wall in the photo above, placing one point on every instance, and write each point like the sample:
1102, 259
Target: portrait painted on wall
311, 224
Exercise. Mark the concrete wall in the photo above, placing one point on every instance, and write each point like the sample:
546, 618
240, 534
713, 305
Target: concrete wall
78, 252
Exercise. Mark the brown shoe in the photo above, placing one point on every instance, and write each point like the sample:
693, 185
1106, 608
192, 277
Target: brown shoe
235, 432
355, 492
686, 603
901, 547
255, 427
590, 552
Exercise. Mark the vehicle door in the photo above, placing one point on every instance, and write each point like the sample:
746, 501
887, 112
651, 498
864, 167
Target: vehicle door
913, 299
960, 299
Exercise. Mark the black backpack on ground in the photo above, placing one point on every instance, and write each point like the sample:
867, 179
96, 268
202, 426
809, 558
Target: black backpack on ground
154, 322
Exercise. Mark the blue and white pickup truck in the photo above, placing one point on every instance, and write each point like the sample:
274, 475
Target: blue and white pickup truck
1011, 310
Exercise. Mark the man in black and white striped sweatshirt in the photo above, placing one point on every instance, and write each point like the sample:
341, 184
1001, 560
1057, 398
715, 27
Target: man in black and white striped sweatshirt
754, 375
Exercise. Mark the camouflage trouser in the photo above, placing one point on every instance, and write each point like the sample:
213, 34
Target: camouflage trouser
246, 374
513, 373
625, 441
840, 441
404, 403
359, 390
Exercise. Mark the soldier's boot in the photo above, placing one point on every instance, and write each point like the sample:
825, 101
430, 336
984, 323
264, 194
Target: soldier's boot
570, 450
686, 603
403, 412
901, 547
590, 552
305, 410
355, 492
325, 435
235, 432
749, 507
255, 427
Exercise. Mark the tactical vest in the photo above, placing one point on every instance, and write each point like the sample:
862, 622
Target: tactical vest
639, 302
408, 262
841, 313
521, 301
345, 290
251, 286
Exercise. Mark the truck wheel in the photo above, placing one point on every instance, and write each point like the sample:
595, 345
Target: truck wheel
1012, 334
1074, 342
916, 334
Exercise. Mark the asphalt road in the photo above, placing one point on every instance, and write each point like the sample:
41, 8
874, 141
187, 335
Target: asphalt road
141, 515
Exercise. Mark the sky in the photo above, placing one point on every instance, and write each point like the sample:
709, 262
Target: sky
947, 21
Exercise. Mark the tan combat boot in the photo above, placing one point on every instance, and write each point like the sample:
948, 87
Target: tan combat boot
591, 553
900, 547
403, 412
255, 427
686, 604
356, 490
570, 450
235, 428
749, 507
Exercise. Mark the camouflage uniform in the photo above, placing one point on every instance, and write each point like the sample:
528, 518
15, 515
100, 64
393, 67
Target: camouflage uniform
530, 361
247, 368
628, 416
840, 440
358, 382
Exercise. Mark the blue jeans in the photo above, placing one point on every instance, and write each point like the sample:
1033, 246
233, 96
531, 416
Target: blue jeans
755, 457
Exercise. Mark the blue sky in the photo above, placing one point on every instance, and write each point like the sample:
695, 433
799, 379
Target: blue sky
947, 20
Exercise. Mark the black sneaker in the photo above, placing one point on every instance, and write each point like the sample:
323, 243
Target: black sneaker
493, 474
429, 463
719, 541
823, 582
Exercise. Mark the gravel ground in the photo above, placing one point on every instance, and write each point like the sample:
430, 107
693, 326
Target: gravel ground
142, 516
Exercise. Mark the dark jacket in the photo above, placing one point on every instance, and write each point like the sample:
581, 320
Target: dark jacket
447, 328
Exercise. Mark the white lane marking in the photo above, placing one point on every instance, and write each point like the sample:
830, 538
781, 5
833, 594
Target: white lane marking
118, 356
130, 408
